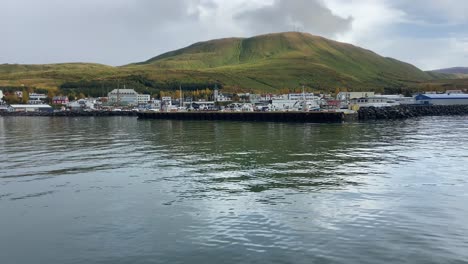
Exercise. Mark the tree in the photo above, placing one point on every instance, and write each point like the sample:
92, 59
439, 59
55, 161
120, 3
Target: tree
12, 98
25, 96
51, 95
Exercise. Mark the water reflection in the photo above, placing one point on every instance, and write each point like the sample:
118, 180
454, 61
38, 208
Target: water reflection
178, 191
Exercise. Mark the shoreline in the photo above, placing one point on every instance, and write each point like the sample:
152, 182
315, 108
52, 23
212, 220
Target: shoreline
70, 114
364, 114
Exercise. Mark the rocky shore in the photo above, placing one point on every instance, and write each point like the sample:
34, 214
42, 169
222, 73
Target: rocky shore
408, 111
70, 113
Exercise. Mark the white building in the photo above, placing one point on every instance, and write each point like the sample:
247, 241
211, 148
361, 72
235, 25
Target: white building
143, 98
300, 96
123, 96
346, 96
82, 104
283, 104
35, 98
375, 101
1, 95
32, 108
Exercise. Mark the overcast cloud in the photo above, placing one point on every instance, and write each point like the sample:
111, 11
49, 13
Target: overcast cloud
428, 33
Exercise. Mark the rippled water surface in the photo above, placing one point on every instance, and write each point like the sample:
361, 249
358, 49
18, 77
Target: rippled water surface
122, 190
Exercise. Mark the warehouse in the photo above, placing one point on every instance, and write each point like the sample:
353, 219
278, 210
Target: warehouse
442, 99
32, 108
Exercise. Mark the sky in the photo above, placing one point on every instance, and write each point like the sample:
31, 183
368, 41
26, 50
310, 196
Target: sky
430, 34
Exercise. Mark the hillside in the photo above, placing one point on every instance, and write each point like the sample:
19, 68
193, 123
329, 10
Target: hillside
457, 72
454, 70
286, 59
262, 63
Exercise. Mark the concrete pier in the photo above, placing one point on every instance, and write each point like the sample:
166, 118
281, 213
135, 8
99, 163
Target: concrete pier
305, 117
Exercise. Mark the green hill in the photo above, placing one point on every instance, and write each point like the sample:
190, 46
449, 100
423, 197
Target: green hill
287, 59
262, 63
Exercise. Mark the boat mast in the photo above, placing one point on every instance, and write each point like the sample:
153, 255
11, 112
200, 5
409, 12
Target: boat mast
181, 97
304, 99
118, 92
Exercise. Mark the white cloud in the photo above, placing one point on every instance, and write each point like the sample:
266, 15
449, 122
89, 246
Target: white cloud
378, 25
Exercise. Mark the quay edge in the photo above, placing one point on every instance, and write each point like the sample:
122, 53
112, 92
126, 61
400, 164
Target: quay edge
312, 117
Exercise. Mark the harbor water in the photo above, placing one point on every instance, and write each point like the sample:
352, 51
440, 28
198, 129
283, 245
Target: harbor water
123, 190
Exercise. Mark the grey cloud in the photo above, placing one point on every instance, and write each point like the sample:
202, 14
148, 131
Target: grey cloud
285, 15
108, 31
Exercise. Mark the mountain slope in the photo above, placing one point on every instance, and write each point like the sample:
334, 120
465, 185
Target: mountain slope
454, 70
262, 63
294, 57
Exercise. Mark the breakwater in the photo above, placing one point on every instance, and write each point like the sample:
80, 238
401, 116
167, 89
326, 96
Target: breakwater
70, 113
408, 111
313, 117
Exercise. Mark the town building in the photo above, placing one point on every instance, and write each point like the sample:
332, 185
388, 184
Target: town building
1, 95
82, 104
346, 96
442, 99
301, 96
60, 100
32, 108
127, 97
123, 97
376, 101
143, 98
35, 98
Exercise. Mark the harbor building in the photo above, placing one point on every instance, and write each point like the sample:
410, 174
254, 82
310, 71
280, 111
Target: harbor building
442, 99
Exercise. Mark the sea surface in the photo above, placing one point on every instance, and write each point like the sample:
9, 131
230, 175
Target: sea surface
123, 190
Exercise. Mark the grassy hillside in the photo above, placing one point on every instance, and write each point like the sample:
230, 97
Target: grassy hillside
458, 72
262, 63
285, 59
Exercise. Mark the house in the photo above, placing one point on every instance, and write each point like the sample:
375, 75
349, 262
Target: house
1, 95
442, 99
32, 108
60, 100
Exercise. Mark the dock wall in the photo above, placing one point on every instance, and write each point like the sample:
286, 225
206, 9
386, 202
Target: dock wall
313, 117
